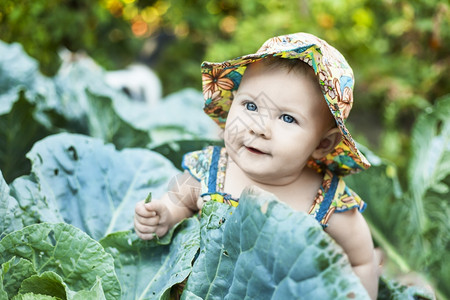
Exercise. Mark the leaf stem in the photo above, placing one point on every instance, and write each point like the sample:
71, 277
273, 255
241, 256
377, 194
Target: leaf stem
149, 198
389, 249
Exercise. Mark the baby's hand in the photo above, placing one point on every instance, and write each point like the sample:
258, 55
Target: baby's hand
156, 217
152, 219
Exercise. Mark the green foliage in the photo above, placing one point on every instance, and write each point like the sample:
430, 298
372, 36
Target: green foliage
44, 27
21, 93
9, 210
429, 181
69, 171
390, 289
61, 261
33, 106
76, 170
235, 262
414, 221
45, 259
148, 270
20, 122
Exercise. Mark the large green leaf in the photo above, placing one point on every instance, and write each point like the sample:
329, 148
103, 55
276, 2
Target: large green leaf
65, 250
9, 210
13, 272
51, 284
265, 250
19, 72
146, 269
89, 184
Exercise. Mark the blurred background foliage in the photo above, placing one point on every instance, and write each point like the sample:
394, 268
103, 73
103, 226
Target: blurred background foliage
399, 51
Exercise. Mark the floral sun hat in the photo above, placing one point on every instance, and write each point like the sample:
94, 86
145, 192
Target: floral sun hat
336, 80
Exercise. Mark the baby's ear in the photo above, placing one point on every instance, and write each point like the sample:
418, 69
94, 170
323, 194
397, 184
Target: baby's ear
330, 140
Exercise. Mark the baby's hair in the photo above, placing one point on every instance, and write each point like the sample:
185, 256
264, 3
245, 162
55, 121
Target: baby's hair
300, 67
290, 65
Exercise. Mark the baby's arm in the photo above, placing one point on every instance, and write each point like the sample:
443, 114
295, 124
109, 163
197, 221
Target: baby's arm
158, 216
351, 231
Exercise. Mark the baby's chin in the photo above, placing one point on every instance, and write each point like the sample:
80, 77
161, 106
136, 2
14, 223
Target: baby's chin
264, 177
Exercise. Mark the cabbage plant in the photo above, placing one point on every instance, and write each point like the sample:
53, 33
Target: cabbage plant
67, 233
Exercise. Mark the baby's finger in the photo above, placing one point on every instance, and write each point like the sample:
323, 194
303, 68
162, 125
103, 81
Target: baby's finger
146, 236
144, 229
156, 206
161, 230
152, 221
141, 210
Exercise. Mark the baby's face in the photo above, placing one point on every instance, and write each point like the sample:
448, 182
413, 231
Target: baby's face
276, 121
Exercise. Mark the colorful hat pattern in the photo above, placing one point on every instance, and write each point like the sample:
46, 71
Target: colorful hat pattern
335, 78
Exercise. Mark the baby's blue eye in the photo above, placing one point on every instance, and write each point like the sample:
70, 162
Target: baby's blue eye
288, 119
251, 106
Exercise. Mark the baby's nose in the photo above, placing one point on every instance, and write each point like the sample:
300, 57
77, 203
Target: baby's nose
262, 129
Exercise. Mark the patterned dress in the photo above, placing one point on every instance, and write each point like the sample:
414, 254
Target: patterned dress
209, 167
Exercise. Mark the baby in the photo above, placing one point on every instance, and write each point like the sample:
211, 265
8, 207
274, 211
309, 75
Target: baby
282, 110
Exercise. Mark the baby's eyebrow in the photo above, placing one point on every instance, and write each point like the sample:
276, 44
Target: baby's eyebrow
244, 95
260, 99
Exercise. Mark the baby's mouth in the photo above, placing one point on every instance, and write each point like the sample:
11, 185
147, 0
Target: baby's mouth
254, 150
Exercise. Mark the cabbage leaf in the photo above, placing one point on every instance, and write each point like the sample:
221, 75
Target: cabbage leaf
89, 184
149, 269
56, 251
265, 250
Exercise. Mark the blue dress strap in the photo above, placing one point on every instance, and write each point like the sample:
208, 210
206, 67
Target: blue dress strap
212, 182
328, 199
